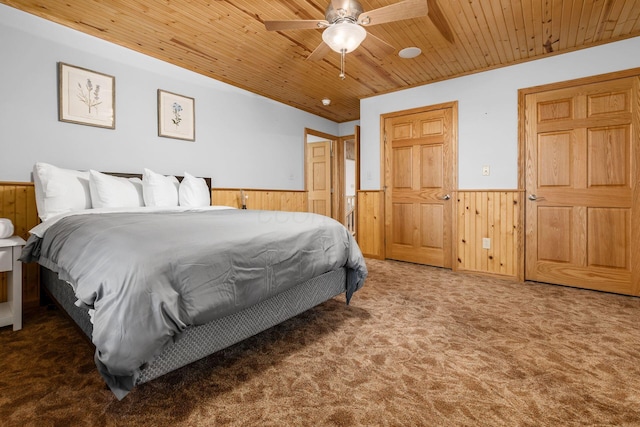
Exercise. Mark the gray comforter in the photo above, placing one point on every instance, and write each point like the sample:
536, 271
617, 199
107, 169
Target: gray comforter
151, 275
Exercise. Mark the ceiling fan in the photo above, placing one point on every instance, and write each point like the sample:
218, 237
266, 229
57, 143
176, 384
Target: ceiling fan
345, 21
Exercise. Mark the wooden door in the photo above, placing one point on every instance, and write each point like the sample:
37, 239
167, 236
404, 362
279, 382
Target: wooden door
419, 177
319, 177
582, 218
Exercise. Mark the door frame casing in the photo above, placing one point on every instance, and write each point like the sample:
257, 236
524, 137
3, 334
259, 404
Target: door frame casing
522, 142
340, 174
385, 155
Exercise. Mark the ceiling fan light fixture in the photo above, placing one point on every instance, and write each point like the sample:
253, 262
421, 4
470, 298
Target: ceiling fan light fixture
344, 36
409, 52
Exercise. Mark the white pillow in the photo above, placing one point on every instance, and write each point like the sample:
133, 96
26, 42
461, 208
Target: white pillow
60, 190
159, 190
194, 192
114, 192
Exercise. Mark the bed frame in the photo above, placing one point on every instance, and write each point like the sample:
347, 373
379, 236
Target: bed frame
200, 341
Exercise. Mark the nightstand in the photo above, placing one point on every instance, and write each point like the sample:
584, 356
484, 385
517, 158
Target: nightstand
11, 311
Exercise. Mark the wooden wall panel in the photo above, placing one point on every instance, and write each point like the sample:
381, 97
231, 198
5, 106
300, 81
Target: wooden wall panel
18, 203
370, 235
496, 215
277, 200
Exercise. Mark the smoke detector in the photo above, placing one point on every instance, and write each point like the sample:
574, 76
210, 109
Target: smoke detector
409, 52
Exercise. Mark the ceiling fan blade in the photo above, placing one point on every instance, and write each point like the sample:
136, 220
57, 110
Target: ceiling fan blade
301, 24
378, 47
319, 52
438, 19
395, 12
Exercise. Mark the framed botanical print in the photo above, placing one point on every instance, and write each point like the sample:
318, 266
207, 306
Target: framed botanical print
86, 97
176, 116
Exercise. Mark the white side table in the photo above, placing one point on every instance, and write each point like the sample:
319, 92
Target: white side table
11, 311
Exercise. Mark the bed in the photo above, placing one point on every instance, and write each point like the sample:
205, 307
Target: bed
157, 287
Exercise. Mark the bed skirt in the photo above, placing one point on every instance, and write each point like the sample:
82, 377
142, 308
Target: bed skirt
200, 341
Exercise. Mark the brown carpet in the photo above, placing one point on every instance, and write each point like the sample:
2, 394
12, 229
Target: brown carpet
418, 346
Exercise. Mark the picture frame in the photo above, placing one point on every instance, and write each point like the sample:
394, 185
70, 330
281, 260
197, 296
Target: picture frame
176, 116
86, 97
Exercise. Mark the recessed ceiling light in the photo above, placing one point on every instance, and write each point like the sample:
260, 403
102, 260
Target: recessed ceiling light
409, 52
326, 101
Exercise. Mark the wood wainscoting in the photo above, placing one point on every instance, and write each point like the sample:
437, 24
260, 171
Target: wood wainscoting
492, 214
480, 214
18, 203
495, 215
272, 200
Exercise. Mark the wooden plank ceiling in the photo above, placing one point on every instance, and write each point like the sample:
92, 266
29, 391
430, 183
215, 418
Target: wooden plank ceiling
227, 40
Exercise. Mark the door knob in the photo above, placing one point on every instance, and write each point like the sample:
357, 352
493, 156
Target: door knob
533, 197
446, 197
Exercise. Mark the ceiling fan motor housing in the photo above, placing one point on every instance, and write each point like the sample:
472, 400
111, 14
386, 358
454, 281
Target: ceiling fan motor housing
350, 12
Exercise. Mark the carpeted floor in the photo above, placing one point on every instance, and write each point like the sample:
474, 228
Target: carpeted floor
418, 346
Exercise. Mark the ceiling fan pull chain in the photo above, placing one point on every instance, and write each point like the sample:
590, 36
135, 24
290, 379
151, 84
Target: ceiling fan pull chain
342, 55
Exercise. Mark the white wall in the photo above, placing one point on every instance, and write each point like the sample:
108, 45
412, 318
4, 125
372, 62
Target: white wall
487, 111
347, 128
242, 139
